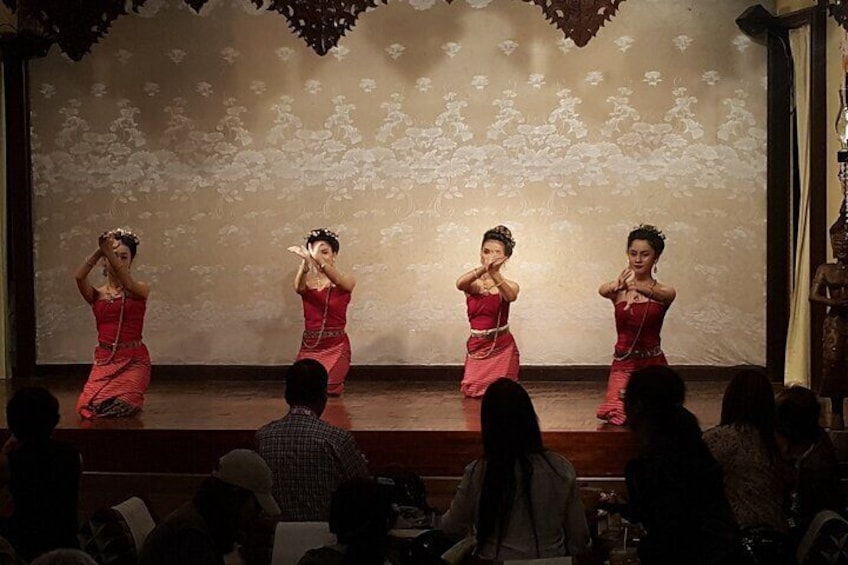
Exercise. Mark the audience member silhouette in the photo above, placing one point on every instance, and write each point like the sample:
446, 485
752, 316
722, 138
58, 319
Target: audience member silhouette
360, 518
520, 499
813, 465
65, 557
674, 485
203, 531
43, 476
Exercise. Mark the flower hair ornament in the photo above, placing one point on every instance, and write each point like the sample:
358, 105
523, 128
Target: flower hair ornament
321, 232
650, 229
121, 233
324, 234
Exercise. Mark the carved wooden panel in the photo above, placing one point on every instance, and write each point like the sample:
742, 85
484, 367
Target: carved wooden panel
76, 25
321, 23
579, 20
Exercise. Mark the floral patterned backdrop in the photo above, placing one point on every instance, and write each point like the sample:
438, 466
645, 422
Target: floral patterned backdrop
221, 139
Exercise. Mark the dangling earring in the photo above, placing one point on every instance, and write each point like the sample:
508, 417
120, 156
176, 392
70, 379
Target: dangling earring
656, 268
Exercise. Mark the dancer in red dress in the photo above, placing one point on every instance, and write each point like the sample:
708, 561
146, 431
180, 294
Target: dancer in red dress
492, 352
326, 293
121, 371
640, 303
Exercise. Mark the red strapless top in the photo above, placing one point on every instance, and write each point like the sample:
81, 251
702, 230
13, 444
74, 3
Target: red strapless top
314, 302
627, 323
108, 313
483, 311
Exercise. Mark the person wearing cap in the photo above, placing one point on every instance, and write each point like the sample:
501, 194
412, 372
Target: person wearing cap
203, 531
309, 458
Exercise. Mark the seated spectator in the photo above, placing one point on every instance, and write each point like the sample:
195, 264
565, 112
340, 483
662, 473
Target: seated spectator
8, 555
205, 530
674, 485
309, 458
65, 557
814, 468
360, 517
744, 445
42, 474
520, 499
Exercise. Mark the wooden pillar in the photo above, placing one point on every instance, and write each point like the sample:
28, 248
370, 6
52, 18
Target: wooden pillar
19, 234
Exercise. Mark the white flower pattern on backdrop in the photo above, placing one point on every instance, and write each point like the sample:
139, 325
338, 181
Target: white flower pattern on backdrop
594, 77
284, 53
340, 52
508, 47
176, 56
47, 90
123, 56
230, 54
565, 44
653, 78
710, 77
742, 42
624, 43
422, 4
479, 82
151, 88
395, 50
451, 48
682, 42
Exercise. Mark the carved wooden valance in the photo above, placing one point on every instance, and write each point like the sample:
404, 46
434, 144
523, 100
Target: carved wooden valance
76, 25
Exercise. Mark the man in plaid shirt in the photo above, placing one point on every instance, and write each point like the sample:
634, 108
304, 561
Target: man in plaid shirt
308, 458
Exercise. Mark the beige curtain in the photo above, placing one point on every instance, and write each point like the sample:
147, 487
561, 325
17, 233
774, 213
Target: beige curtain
797, 368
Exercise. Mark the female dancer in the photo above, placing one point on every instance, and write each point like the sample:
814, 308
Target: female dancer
121, 371
325, 292
492, 352
640, 303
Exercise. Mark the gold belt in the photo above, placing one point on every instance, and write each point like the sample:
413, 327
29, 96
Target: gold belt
621, 355
491, 332
121, 345
313, 334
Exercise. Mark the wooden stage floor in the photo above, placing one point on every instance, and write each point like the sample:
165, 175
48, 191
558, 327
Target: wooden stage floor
424, 426
365, 406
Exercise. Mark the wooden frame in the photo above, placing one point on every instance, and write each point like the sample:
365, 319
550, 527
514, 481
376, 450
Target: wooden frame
782, 180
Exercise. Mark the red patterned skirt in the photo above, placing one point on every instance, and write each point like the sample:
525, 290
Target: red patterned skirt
332, 352
115, 388
612, 408
486, 362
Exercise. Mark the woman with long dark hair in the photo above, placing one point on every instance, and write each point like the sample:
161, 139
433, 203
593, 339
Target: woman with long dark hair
744, 444
520, 499
121, 371
326, 293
